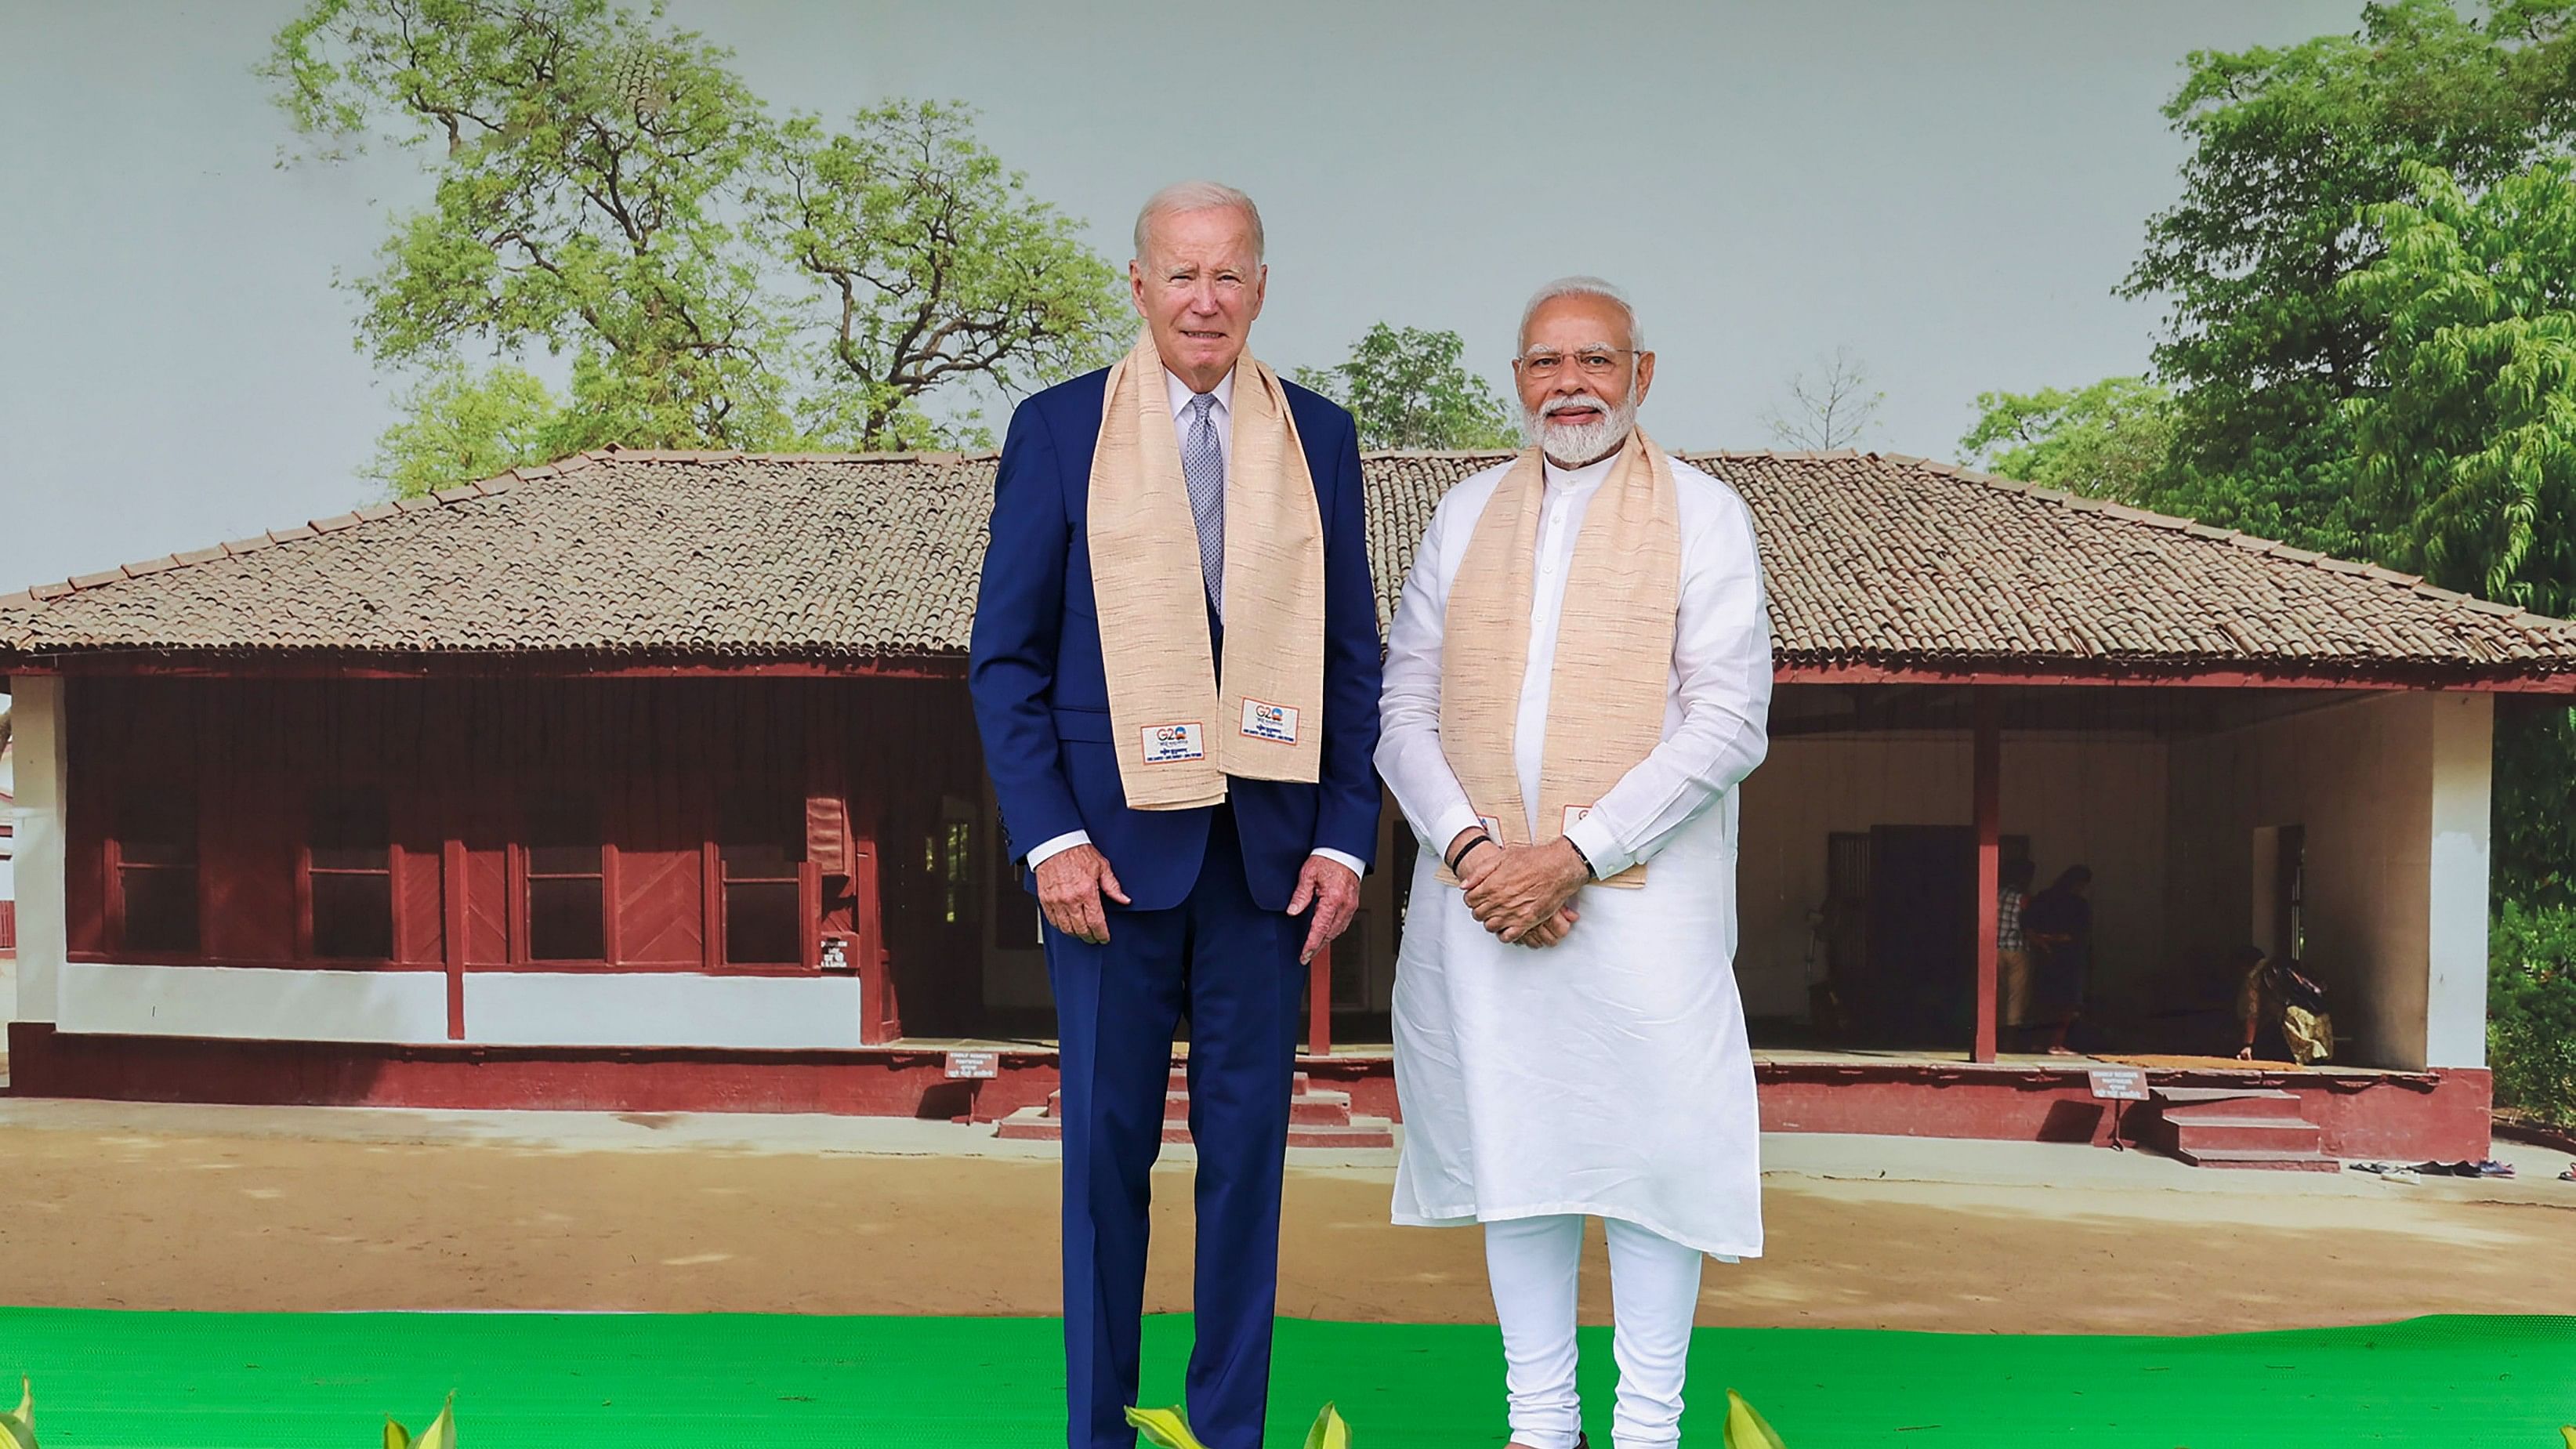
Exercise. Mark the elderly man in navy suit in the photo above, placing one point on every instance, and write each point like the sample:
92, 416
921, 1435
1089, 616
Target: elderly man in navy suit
1175, 673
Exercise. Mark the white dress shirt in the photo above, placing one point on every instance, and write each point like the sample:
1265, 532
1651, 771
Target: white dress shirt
1222, 416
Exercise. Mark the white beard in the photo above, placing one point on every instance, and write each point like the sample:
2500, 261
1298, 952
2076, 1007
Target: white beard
1574, 445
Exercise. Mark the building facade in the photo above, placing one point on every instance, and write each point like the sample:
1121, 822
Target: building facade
648, 780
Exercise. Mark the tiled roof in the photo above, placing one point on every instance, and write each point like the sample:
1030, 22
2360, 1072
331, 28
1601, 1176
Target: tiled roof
1872, 560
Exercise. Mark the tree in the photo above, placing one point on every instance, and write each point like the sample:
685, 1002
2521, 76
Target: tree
2261, 345
459, 426
2467, 451
606, 187
2109, 440
2468, 446
1828, 408
583, 201
1410, 388
935, 264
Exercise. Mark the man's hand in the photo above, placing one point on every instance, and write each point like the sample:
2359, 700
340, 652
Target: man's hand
1070, 885
1526, 887
1553, 929
1334, 891
1480, 862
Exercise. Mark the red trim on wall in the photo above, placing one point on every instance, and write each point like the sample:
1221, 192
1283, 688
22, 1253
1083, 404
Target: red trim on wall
880, 1012
2441, 1114
611, 944
2435, 1115
711, 932
1988, 809
452, 903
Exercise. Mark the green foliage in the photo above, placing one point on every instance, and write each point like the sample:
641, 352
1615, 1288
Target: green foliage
2531, 1010
605, 186
2109, 440
459, 426
582, 201
1164, 1428
441, 1433
1170, 1429
933, 263
2289, 145
1745, 1426
2535, 779
18, 1430
1410, 388
2468, 449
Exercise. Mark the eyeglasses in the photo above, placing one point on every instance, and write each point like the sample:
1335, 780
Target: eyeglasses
1542, 364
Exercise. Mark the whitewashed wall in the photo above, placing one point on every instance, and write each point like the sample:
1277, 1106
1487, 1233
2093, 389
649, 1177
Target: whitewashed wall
2392, 793
36, 721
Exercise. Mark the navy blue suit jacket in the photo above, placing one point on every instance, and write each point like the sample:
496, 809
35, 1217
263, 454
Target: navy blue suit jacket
1042, 697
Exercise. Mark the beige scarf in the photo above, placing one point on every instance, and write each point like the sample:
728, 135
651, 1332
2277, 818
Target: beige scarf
1179, 729
1614, 645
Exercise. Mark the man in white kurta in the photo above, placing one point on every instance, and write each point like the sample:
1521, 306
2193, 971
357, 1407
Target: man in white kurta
1581, 1050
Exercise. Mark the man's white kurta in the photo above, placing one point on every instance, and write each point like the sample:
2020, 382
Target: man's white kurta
1608, 1074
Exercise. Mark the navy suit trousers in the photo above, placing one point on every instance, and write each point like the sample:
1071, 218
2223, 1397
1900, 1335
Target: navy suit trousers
1231, 968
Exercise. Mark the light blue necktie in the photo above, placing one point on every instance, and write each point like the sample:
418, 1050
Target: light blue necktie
1203, 466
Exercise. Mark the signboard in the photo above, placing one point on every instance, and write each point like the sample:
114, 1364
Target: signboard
2120, 1084
977, 1066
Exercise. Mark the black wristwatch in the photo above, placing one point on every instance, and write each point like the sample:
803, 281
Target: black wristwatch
1579, 855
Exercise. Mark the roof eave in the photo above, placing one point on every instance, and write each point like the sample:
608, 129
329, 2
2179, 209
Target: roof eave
222, 663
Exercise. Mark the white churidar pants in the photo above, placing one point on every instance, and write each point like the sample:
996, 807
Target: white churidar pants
1654, 1291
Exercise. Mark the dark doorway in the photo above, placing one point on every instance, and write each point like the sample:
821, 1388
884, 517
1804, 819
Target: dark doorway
1916, 986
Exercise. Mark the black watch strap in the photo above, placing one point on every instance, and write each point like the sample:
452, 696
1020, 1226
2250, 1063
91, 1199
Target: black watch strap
1579, 855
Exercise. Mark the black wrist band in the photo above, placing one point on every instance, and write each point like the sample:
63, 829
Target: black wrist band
1479, 838
1579, 855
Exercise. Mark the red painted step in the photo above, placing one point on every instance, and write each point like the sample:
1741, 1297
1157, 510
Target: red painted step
2178, 1103
2241, 1127
2197, 1134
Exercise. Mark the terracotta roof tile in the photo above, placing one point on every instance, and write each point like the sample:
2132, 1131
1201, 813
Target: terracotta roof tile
719, 555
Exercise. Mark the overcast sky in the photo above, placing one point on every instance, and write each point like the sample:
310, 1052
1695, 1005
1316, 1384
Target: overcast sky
1951, 190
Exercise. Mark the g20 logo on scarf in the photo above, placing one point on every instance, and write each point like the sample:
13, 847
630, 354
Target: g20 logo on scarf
1171, 743
1276, 723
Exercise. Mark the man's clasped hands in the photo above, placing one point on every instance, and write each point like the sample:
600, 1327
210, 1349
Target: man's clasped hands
1521, 893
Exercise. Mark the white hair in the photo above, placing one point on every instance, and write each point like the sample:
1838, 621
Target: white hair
1579, 286
1188, 196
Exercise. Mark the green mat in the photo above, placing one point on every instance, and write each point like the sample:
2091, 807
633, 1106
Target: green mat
528, 1381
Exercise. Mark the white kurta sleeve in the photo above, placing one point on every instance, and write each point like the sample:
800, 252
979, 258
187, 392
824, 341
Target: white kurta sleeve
1722, 665
1408, 742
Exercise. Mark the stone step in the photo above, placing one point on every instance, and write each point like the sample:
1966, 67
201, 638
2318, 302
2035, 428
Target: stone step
1307, 1109
2195, 1134
1298, 1084
2259, 1158
2178, 1104
1037, 1124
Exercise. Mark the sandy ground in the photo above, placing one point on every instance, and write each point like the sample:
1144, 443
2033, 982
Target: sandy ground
120, 1206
